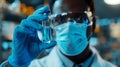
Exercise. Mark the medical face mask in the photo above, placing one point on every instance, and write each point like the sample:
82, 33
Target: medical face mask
71, 37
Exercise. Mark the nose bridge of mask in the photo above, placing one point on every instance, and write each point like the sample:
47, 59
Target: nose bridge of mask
72, 27
84, 22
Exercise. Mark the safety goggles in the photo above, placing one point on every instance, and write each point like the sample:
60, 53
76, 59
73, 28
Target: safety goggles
79, 17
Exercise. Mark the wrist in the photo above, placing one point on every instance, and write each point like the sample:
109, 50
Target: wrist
15, 63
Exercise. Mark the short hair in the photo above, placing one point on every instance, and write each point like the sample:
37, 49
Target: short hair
91, 4
51, 3
88, 2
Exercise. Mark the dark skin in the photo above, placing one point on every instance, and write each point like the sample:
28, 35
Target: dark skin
80, 58
77, 5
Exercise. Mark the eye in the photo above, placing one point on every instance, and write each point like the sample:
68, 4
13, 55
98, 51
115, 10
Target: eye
79, 20
70, 19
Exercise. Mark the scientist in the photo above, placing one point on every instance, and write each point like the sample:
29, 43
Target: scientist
74, 23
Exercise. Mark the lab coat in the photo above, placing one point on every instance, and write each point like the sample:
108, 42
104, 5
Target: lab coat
53, 60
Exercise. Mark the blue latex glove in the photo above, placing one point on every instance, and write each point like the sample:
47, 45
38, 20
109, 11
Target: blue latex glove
26, 44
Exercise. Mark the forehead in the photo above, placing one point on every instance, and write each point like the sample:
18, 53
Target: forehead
69, 5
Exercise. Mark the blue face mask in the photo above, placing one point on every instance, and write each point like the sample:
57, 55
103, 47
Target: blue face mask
71, 37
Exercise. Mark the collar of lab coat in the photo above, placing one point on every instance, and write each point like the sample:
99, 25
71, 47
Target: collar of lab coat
68, 63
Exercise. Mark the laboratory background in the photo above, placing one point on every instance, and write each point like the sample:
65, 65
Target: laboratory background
106, 38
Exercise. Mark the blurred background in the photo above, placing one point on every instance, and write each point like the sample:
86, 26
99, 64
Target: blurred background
106, 38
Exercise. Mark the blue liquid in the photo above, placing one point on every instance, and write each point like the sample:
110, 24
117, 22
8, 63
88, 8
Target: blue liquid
47, 34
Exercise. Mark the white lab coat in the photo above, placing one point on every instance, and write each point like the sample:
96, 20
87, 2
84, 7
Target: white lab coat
53, 60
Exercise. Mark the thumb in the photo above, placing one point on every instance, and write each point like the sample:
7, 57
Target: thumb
48, 45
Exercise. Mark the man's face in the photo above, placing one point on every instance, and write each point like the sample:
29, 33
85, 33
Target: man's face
72, 30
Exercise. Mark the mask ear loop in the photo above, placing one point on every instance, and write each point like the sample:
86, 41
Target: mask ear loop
90, 33
91, 25
94, 23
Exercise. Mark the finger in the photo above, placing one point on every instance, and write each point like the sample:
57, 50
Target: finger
42, 10
37, 17
48, 45
33, 20
19, 37
29, 24
22, 32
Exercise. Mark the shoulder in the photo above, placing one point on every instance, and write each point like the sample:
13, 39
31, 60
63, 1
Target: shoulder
99, 61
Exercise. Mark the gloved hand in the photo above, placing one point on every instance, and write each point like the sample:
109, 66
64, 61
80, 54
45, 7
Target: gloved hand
26, 44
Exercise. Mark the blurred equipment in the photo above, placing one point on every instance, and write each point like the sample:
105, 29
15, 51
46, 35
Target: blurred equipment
112, 2
15, 6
